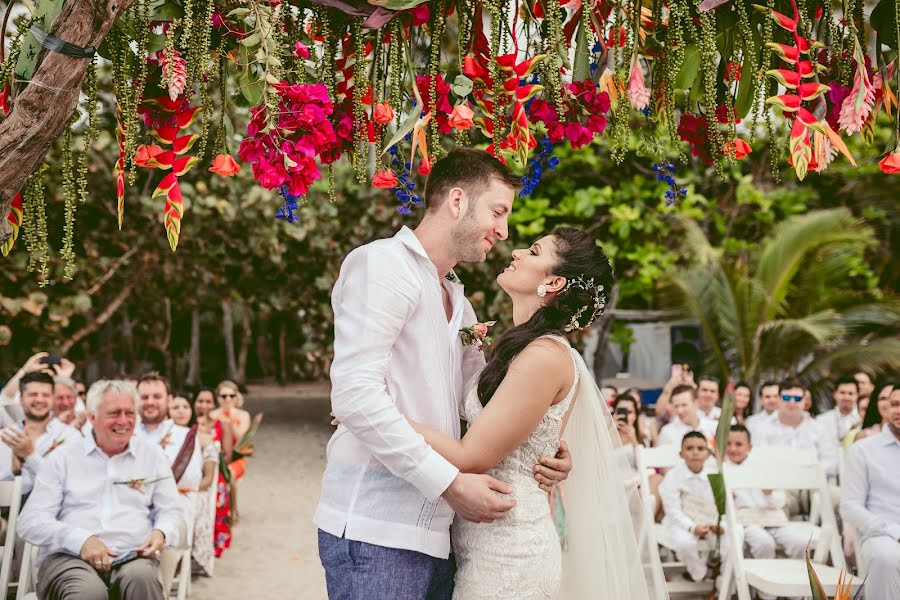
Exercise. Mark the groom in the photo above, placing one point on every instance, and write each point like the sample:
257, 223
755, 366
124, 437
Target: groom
387, 497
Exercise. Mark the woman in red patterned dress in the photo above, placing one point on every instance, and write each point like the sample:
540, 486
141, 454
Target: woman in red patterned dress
204, 405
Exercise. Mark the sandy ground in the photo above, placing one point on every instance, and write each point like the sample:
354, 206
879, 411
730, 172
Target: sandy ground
273, 554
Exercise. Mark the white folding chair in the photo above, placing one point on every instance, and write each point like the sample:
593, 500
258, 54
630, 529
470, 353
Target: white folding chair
654, 534
28, 574
171, 558
780, 577
11, 497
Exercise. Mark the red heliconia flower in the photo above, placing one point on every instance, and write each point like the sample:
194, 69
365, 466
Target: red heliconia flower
420, 14
384, 179
890, 164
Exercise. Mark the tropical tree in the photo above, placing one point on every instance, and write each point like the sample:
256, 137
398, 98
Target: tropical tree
792, 305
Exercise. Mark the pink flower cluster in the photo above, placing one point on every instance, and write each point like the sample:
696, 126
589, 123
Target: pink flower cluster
444, 108
584, 114
287, 153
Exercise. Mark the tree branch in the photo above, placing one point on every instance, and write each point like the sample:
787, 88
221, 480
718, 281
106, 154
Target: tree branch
40, 113
102, 318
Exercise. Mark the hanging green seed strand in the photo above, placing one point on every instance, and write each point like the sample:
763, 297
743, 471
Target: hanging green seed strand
554, 18
833, 41
438, 27
708, 55
36, 237
329, 49
395, 66
221, 142
90, 133
360, 85
68, 192
748, 50
141, 10
8, 66
461, 138
760, 84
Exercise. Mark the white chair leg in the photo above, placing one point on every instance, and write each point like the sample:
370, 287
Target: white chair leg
727, 572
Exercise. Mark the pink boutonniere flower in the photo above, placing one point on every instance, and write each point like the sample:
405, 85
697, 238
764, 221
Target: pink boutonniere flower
476, 335
56, 444
166, 439
140, 483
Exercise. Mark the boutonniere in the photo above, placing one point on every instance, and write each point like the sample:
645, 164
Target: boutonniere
56, 444
140, 483
476, 335
452, 277
166, 439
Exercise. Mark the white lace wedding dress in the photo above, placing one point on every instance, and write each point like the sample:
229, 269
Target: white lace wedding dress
517, 557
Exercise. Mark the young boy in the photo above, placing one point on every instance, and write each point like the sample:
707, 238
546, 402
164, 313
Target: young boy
690, 507
761, 512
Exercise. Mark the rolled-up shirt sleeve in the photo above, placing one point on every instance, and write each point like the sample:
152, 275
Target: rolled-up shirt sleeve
372, 301
38, 523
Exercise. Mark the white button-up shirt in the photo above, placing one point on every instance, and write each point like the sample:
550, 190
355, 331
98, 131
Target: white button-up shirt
170, 437
675, 430
754, 421
808, 434
396, 356
80, 492
870, 493
679, 481
835, 425
714, 413
54, 437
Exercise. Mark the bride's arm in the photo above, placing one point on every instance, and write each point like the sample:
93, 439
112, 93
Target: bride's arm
534, 380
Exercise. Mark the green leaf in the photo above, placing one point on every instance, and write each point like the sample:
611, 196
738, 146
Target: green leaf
250, 40
743, 101
724, 427
405, 128
815, 586
251, 88
462, 86
165, 10
689, 68
717, 483
45, 12
582, 54
155, 42
883, 21
239, 12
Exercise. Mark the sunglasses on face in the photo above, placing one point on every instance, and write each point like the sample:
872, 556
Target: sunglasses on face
227, 395
789, 398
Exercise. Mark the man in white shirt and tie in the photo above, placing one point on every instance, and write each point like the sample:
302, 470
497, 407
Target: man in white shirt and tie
837, 422
870, 502
26, 445
769, 401
688, 417
398, 312
103, 507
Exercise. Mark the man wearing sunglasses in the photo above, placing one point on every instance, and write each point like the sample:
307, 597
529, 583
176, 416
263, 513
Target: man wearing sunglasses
795, 428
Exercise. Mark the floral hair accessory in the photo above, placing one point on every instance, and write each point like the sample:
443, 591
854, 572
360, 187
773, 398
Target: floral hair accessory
476, 335
598, 305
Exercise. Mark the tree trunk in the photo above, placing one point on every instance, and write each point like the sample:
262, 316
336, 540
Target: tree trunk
282, 352
262, 351
193, 375
40, 113
128, 361
246, 338
228, 335
165, 345
603, 326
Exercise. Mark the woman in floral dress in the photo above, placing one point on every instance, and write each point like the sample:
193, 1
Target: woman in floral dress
204, 405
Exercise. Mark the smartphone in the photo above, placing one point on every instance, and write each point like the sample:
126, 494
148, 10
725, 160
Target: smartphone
125, 558
51, 360
677, 370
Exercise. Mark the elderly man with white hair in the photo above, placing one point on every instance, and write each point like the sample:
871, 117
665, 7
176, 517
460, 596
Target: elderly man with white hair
103, 508
66, 405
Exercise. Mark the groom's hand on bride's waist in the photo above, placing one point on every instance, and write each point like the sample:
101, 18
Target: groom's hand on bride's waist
478, 498
550, 471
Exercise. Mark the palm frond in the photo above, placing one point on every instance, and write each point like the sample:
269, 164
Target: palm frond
885, 313
793, 241
879, 355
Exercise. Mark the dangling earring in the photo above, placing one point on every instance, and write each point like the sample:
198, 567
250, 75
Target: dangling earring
542, 291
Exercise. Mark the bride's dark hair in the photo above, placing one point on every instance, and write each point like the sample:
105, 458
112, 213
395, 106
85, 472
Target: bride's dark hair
578, 256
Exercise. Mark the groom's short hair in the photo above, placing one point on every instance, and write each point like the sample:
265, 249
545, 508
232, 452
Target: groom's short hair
469, 169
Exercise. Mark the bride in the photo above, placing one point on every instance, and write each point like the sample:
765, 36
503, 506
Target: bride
535, 390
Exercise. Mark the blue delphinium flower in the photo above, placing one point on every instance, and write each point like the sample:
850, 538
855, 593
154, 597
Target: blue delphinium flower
536, 165
665, 171
286, 212
405, 190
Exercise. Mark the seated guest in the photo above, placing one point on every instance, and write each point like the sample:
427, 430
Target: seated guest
156, 427
870, 503
877, 414
864, 384
609, 393
625, 414
838, 422
204, 405
103, 507
794, 428
761, 512
741, 403
769, 400
646, 426
687, 417
66, 405
10, 406
690, 507
708, 397
26, 445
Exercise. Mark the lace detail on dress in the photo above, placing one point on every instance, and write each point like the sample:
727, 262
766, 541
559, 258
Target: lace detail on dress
517, 557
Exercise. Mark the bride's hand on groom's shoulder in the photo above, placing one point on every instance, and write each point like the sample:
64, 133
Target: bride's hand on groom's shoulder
551, 471
477, 498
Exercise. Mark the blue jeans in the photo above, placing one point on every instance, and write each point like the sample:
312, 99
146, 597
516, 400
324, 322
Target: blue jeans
360, 571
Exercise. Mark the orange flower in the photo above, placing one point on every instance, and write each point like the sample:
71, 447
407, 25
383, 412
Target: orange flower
385, 179
143, 154
384, 114
890, 164
461, 117
741, 148
225, 165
